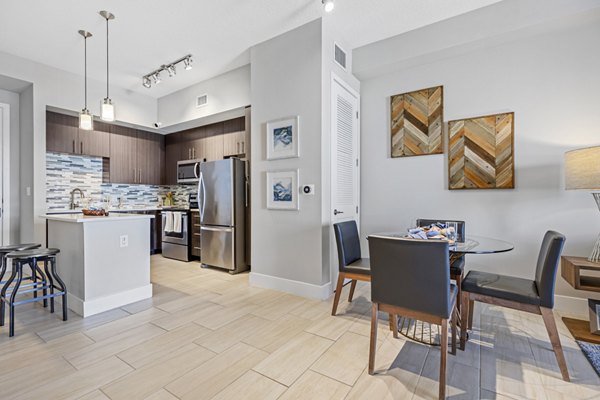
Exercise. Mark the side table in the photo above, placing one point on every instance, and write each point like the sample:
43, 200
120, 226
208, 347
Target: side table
582, 275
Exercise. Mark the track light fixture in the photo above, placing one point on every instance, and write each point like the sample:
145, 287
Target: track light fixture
154, 76
328, 5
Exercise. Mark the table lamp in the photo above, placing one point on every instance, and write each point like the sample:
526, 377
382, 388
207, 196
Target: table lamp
582, 171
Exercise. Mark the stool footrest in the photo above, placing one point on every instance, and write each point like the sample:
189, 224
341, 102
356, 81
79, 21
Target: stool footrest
31, 300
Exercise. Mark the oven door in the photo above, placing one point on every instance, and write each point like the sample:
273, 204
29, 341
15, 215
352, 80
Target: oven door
180, 238
188, 171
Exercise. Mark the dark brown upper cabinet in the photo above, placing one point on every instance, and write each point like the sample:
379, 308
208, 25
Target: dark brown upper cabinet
136, 156
64, 136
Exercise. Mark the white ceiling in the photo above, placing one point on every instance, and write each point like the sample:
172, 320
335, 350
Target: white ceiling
149, 33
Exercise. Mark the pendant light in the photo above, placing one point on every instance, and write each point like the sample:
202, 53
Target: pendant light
86, 120
107, 107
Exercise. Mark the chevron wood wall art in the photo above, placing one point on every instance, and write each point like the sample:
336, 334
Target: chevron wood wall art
416, 122
480, 152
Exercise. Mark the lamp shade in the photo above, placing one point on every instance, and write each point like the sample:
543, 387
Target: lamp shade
582, 168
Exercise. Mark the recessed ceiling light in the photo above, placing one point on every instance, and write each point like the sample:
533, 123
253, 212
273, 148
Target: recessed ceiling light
328, 5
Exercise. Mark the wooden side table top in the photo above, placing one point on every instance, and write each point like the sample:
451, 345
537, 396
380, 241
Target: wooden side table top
573, 270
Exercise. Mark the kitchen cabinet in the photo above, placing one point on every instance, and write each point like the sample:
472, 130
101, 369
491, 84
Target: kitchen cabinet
196, 250
172, 155
150, 153
135, 156
123, 150
211, 143
64, 136
191, 144
234, 144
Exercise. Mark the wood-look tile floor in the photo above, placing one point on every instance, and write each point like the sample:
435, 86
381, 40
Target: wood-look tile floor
207, 335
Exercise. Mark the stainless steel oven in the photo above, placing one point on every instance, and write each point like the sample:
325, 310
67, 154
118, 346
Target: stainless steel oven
188, 171
176, 243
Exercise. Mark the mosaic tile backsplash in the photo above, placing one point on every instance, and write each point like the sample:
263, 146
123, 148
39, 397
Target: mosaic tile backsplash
65, 172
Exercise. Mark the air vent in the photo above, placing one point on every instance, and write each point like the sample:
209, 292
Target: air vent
340, 56
201, 101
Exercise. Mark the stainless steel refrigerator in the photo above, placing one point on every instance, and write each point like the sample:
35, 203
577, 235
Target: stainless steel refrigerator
222, 202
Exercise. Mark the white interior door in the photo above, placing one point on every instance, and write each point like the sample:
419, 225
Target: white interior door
345, 163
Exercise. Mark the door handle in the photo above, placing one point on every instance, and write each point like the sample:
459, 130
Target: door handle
80, 147
336, 212
73, 146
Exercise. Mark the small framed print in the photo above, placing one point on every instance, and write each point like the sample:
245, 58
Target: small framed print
282, 190
282, 138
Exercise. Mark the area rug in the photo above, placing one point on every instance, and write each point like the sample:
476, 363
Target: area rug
592, 353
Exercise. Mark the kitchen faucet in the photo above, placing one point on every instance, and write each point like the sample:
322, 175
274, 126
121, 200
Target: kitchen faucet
81, 196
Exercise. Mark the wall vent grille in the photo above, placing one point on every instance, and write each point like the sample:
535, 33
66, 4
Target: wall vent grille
340, 56
201, 101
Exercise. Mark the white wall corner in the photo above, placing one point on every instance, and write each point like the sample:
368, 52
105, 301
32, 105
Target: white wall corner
317, 292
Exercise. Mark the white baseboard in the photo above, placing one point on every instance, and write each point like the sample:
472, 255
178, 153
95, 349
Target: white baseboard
289, 286
101, 304
571, 305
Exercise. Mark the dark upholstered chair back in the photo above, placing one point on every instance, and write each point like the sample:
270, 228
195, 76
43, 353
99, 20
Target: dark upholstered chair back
413, 274
348, 243
460, 235
547, 265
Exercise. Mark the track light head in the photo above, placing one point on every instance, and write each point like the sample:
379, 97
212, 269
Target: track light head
146, 82
171, 70
156, 78
328, 5
188, 63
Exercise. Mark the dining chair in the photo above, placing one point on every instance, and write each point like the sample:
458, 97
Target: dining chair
350, 263
535, 296
411, 278
457, 265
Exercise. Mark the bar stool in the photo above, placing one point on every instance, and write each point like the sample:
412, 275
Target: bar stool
4, 250
49, 280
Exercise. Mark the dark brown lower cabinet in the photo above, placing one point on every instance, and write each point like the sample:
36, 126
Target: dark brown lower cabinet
196, 250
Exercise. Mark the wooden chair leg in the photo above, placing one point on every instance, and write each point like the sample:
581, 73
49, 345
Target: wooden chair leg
352, 287
443, 355
471, 309
464, 315
458, 279
338, 292
373, 344
394, 325
453, 330
548, 317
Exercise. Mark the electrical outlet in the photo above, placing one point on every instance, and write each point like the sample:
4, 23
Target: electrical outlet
124, 240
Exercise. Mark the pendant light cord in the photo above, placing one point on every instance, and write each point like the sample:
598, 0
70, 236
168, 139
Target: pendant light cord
85, 70
107, 96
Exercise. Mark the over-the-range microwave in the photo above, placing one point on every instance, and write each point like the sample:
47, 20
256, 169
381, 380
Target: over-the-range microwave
188, 171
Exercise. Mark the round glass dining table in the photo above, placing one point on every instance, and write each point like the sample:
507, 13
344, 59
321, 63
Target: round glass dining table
425, 332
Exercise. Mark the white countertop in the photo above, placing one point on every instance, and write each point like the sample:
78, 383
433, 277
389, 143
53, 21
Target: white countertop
80, 218
116, 210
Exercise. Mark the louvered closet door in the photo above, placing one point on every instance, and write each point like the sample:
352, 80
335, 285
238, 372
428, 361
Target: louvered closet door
344, 148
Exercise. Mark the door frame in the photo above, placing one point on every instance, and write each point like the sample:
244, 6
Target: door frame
5, 159
336, 79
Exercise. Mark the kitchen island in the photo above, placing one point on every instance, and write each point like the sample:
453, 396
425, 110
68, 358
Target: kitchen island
104, 261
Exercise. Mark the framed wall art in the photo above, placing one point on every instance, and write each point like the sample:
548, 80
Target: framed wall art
282, 190
481, 152
282, 138
417, 122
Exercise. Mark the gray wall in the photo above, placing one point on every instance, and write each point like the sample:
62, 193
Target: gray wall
548, 75
286, 81
225, 92
12, 99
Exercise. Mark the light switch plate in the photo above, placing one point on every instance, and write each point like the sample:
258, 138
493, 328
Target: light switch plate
124, 240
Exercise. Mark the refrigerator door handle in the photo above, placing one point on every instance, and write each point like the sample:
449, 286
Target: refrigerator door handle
203, 197
214, 229
200, 200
